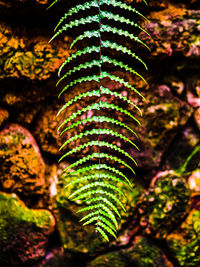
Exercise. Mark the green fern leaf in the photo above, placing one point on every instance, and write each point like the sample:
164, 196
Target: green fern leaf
86, 34
99, 167
104, 44
76, 9
117, 47
105, 227
97, 155
98, 63
98, 185
100, 144
98, 229
76, 23
96, 93
122, 6
98, 106
98, 132
96, 176
78, 54
116, 17
101, 208
97, 119
105, 74
108, 28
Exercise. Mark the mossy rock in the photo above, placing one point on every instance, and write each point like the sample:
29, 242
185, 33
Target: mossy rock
142, 254
164, 205
23, 232
185, 242
21, 165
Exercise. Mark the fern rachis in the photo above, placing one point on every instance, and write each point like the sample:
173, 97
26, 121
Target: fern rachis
99, 190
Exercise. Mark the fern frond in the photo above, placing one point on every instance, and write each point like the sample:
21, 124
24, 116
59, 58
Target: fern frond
105, 227
99, 182
96, 93
97, 119
80, 80
100, 144
98, 63
80, 67
103, 199
101, 208
76, 23
98, 155
100, 211
54, 2
117, 47
76, 9
77, 54
96, 176
86, 34
104, 44
99, 167
114, 30
122, 6
100, 218
98, 132
98, 106
118, 18
96, 185
106, 59
104, 235
105, 74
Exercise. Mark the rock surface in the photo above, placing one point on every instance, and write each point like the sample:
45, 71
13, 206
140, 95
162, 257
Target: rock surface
22, 167
24, 232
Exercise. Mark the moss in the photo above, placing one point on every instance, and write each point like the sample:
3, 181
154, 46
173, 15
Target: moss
23, 232
164, 205
185, 242
142, 254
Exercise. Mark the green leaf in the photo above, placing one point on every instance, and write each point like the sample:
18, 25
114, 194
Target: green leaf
98, 185
98, 93
105, 74
105, 227
99, 119
118, 18
100, 144
88, 49
98, 106
98, 132
76, 9
80, 80
97, 155
122, 6
98, 229
54, 2
86, 34
108, 28
97, 176
76, 23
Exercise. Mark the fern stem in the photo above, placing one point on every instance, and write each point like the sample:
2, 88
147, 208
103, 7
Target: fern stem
99, 124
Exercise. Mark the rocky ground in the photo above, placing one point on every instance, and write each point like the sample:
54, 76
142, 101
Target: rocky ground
39, 226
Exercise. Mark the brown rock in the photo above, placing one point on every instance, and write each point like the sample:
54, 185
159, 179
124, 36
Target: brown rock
3, 115
185, 241
197, 117
174, 29
164, 205
22, 167
24, 232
